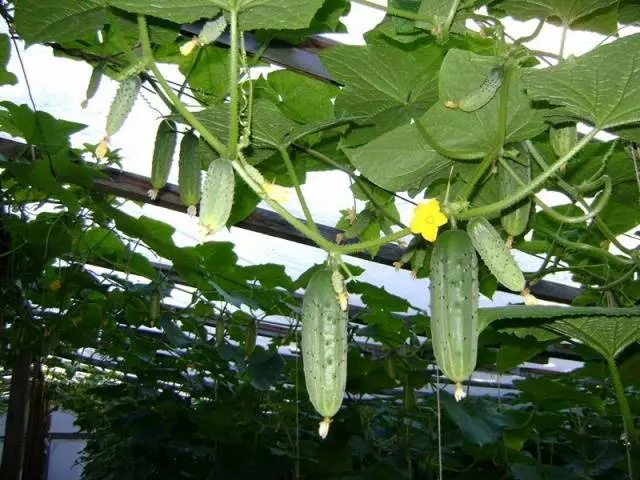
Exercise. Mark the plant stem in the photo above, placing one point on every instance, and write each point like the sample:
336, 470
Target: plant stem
477, 175
217, 145
563, 41
452, 15
234, 87
356, 247
365, 189
623, 404
584, 247
535, 184
575, 195
296, 185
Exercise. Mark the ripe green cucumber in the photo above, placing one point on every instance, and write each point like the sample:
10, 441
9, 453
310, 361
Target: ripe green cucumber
563, 139
122, 103
190, 172
324, 347
163, 150
495, 253
516, 219
217, 196
454, 306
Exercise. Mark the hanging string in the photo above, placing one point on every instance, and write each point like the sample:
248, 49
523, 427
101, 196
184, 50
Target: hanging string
439, 424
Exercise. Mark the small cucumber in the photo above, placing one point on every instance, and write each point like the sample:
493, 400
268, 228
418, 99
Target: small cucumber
563, 139
190, 172
482, 95
217, 196
324, 347
515, 219
454, 306
122, 103
163, 151
495, 253
94, 84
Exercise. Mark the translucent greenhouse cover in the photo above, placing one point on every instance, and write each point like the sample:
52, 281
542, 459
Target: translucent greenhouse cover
58, 86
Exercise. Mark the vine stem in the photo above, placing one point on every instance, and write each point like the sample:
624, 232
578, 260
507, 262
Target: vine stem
535, 184
356, 247
188, 116
234, 115
296, 185
563, 41
574, 194
623, 404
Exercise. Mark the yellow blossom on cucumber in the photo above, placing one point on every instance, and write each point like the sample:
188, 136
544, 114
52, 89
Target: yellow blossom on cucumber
188, 47
103, 148
427, 219
276, 192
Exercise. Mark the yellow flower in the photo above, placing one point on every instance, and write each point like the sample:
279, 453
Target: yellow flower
276, 192
55, 285
427, 218
103, 148
188, 47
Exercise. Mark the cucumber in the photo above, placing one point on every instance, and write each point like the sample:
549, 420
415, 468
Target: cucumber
516, 219
163, 151
324, 347
563, 139
454, 306
482, 95
190, 172
119, 111
217, 196
495, 253
94, 84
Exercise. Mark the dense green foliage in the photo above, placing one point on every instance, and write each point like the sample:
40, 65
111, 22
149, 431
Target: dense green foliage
188, 392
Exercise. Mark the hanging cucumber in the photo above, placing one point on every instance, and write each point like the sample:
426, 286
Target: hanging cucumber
324, 347
190, 172
454, 306
482, 95
119, 111
217, 196
496, 254
516, 219
94, 84
163, 151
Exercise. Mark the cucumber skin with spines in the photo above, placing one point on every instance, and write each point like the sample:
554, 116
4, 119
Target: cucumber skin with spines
485, 92
324, 345
163, 152
495, 254
454, 306
190, 172
122, 103
217, 196
516, 219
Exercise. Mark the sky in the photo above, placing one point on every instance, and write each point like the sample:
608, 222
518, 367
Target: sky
58, 86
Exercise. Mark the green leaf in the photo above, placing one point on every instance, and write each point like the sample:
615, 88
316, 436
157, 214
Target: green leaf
622, 211
378, 299
204, 71
299, 98
628, 12
265, 367
567, 11
479, 422
6, 77
58, 20
273, 14
514, 351
382, 77
398, 160
177, 11
472, 135
269, 275
587, 88
608, 336
41, 129
543, 312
